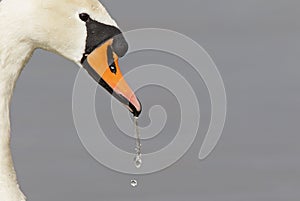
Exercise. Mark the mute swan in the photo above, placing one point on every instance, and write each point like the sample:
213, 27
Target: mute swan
72, 28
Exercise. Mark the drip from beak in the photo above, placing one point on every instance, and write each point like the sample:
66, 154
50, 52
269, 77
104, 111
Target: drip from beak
102, 64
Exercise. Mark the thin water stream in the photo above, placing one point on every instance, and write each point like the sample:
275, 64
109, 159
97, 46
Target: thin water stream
138, 147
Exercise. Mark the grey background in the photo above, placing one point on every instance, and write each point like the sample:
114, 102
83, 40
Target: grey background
256, 47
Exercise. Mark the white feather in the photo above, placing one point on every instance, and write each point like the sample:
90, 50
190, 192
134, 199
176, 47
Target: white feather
26, 25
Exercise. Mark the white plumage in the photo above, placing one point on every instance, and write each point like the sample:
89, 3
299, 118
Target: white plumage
26, 25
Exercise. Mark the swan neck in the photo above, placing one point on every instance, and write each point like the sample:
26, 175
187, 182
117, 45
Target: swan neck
13, 58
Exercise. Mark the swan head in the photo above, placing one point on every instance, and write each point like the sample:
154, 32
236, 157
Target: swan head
83, 32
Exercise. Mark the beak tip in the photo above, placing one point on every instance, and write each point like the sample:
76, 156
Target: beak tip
136, 113
136, 109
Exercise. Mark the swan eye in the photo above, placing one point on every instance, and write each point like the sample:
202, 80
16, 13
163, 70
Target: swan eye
84, 17
113, 68
110, 60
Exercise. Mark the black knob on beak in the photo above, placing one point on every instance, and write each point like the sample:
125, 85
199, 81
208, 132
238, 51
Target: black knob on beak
119, 46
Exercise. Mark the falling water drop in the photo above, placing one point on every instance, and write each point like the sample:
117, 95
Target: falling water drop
133, 183
138, 153
137, 161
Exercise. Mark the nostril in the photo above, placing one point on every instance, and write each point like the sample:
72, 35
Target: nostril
120, 46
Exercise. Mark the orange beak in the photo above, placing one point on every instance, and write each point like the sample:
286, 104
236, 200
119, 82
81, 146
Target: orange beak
102, 64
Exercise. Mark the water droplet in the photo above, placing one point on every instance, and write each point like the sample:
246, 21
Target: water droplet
137, 161
133, 183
